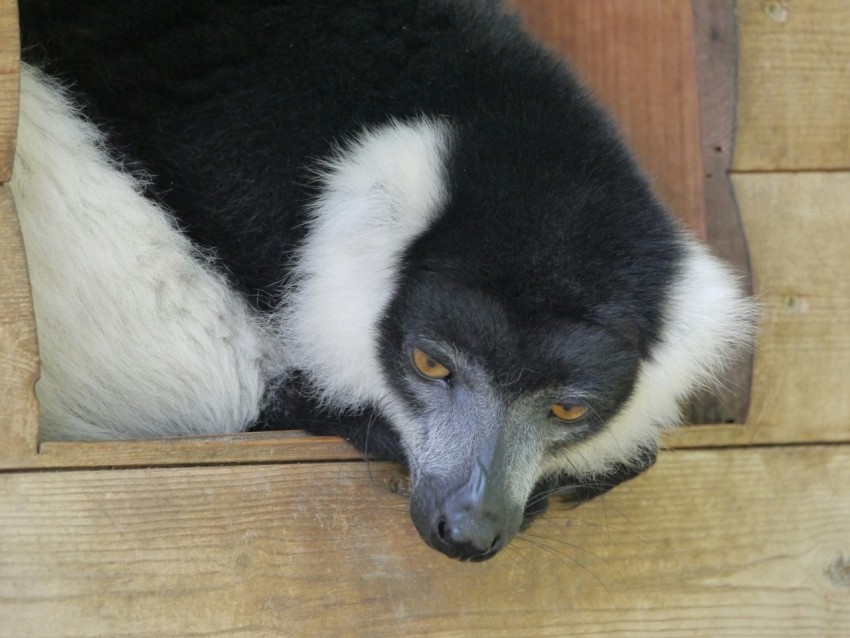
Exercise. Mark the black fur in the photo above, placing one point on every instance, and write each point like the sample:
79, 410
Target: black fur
228, 105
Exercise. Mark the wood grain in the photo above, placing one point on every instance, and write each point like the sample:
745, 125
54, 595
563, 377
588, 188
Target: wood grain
254, 447
794, 85
709, 543
18, 347
716, 45
638, 59
10, 51
798, 228
798, 231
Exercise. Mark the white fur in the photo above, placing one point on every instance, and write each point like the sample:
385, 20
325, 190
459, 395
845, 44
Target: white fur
707, 321
139, 337
379, 193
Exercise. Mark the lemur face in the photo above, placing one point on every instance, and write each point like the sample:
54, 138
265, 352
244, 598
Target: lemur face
485, 402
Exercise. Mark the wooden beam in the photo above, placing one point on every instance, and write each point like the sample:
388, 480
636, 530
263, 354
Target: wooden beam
708, 543
716, 50
284, 446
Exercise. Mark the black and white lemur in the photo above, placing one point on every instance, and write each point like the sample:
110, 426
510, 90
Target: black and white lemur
405, 213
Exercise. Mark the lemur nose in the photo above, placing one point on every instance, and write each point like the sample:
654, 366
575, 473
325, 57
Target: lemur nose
469, 535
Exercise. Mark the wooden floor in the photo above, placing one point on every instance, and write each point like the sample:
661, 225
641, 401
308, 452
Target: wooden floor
741, 530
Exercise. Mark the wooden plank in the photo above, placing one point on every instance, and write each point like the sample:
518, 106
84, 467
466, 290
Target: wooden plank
794, 85
18, 347
283, 446
708, 543
798, 231
10, 50
638, 58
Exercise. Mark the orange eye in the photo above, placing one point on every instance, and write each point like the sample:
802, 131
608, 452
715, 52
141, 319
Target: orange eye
569, 412
429, 367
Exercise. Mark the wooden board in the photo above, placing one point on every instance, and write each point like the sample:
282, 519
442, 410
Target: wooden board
253, 447
9, 77
716, 52
18, 347
798, 231
794, 87
709, 543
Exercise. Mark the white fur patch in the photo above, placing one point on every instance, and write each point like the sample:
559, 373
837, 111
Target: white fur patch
707, 322
379, 193
139, 337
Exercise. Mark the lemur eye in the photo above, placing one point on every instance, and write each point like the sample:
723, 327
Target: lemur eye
428, 367
569, 412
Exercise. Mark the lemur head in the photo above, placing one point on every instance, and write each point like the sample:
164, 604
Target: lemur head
515, 322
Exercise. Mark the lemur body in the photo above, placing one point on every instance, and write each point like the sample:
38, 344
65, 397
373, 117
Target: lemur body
408, 204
